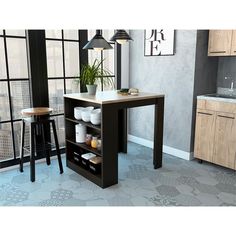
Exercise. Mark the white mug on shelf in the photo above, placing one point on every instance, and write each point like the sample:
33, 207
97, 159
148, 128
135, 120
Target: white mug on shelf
86, 113
95, 116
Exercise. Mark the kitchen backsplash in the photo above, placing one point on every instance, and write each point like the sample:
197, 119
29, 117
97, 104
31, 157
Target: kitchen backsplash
226, 68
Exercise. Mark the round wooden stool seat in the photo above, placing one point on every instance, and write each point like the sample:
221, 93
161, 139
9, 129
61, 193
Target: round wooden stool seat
36, 111
39, 137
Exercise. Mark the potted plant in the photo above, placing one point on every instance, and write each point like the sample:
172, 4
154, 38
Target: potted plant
91, 74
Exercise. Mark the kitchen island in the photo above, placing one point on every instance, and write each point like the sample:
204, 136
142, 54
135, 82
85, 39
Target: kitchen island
113, 130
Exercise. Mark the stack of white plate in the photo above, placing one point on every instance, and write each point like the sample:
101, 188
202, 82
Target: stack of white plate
85, 114
95, 116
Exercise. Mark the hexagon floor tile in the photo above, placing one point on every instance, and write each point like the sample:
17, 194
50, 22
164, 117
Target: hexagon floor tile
167, 190
177, 183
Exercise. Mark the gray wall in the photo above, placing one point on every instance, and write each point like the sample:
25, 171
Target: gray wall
205, 81
226, 67
169, 75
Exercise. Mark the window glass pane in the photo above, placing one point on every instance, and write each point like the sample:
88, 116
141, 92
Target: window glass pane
56, 91
71, 59
6, 145
53, 34
1, 32
3, 74
4, 102
107, 34
108, 63
20, 96
54, 58
93, 55
110, 85
60, 127
17, 58
15, 32
106, 85
71, 34
91, 33
72, 86
17, 138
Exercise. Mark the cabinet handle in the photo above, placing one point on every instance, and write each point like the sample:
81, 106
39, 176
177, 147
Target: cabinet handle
234, 161
205, 113
230, 117
218, 52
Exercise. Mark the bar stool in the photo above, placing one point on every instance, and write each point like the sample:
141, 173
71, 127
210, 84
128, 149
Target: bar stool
38, 120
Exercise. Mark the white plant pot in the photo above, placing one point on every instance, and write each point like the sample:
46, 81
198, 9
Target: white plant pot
91, 89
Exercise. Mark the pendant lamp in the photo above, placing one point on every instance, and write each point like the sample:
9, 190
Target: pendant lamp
97, 43
121, 37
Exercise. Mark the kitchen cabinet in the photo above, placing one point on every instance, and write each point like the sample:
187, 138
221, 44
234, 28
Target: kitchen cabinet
204, 134
233, 44
219, 43
225, 140
215, 132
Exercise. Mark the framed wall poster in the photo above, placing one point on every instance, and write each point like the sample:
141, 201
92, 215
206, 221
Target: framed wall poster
158, 42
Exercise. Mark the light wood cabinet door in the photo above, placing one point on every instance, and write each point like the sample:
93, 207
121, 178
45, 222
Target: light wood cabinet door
219, 42
233, 43
204, 135
225, 140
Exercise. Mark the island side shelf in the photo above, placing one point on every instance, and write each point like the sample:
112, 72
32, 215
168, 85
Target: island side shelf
85, 173
85, 147
109, 136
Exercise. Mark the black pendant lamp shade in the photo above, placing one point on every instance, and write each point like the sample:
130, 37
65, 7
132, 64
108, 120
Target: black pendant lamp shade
120, 37
97, 42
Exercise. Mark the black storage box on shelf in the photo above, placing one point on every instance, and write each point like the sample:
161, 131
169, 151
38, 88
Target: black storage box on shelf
85, 159
95, 164
77, 158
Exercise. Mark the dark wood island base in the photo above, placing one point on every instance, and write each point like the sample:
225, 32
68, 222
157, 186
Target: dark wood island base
113, 130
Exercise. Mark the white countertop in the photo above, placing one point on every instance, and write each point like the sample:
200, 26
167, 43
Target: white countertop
111, 96
218, 99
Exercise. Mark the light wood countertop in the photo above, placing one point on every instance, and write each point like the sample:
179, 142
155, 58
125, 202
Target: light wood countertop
106, 97
217, 99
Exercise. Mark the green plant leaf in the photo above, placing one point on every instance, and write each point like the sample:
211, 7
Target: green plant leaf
91, 74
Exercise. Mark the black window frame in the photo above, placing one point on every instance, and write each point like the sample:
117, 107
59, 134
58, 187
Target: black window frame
36, 52
64, 77
12, 121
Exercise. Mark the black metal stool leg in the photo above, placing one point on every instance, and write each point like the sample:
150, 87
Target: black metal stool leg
44, 146
22, 145
32, 150
57, 146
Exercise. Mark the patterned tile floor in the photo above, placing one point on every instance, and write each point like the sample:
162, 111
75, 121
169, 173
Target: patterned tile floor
177, 183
